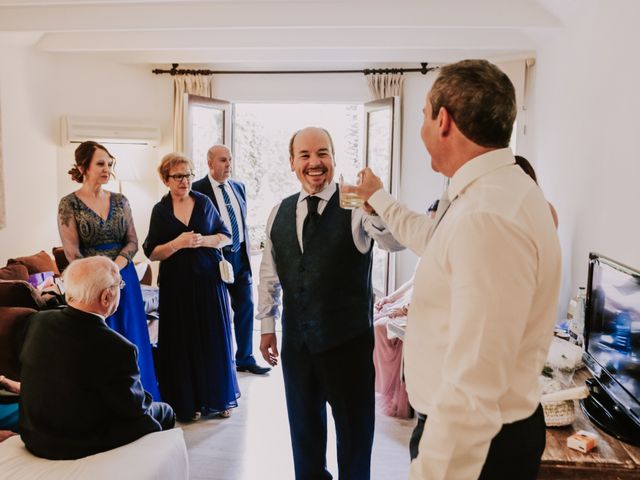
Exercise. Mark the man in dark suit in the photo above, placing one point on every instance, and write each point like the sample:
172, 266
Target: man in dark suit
81, 392
230, 198
319, 256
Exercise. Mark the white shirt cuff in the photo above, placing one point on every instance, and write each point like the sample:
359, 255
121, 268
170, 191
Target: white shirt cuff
267, 325
380, 201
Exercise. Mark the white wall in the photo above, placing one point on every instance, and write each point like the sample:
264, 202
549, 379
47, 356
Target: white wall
29, 155
584, 134
36, 90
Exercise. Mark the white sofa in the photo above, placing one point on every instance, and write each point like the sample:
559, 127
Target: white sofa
157, 456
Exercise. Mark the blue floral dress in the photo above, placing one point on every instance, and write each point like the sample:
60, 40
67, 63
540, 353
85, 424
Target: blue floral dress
84, 234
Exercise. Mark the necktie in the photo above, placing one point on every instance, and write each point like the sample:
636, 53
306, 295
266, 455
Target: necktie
235, 232
310, 221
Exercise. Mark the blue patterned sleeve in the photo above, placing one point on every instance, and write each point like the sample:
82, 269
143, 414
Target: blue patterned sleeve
131, 238
68, 229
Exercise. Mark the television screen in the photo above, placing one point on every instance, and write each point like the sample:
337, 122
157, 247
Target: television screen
612, 331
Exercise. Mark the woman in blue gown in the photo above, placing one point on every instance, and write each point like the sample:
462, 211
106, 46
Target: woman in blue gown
196, 367
94, 221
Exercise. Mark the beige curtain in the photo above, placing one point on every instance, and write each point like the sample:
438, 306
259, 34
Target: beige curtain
385, 85
194, 85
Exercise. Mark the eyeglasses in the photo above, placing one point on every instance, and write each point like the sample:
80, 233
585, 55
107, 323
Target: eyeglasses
121, 284
178, 177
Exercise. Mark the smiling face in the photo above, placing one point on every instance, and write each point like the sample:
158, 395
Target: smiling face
219, 160
312, 159
100, 169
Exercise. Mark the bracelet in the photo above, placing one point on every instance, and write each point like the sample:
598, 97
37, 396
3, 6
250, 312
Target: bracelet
173, 249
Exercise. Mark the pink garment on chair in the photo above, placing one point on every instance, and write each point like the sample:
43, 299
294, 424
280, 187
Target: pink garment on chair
387, 359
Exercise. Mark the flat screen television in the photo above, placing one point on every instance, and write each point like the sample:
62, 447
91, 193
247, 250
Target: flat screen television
612, 347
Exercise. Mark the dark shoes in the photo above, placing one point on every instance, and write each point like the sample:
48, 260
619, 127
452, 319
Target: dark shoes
255, 369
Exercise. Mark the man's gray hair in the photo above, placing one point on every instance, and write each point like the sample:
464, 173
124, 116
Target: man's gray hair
480, 98
86, 278
213, 147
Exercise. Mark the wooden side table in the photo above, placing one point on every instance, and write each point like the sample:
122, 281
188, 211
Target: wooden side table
610, 460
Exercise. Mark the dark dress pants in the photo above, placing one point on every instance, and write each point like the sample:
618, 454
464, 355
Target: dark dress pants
515, 452
343, 377
241, 296
163, 414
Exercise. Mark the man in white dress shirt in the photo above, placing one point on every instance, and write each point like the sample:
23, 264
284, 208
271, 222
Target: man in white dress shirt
486, 288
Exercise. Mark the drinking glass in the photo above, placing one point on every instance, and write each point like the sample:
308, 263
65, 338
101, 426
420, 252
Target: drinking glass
349, 201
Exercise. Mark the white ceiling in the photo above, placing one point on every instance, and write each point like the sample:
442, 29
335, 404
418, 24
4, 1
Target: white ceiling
263, 34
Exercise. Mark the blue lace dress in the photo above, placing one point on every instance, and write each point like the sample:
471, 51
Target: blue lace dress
84, 234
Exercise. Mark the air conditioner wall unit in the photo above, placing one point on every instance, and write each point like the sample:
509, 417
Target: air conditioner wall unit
109, 130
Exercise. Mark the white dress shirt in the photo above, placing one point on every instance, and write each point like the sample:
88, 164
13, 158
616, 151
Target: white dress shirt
363, 228
222, 206
482, 313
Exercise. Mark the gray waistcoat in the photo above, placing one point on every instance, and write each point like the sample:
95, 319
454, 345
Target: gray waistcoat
327, 294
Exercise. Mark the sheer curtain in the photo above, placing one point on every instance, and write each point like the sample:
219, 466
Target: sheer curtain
191, 84
385, 85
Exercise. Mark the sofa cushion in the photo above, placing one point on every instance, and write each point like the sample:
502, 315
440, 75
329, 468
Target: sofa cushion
14, 271
157, 456
60, 257
39, 262
16, 293
13, 326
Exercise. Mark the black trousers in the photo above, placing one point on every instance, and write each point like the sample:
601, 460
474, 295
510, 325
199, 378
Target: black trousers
241, 296
344, 378
514, 453
163, 414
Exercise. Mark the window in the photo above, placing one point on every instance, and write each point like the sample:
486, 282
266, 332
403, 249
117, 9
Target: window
363, 134
261, 134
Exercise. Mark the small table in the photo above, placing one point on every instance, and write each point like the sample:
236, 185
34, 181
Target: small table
610, 460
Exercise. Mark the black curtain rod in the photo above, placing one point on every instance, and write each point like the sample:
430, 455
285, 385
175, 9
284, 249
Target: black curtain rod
367, 71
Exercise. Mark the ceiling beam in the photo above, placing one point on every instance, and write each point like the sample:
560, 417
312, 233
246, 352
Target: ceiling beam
314, 39
275, 14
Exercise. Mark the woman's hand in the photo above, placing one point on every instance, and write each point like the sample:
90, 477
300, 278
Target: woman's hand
4, 434
217, 240
121, 261
381, 303
10, 385
187, 240
399, 312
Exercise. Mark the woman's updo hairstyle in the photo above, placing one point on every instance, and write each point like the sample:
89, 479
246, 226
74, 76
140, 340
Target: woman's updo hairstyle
84, 154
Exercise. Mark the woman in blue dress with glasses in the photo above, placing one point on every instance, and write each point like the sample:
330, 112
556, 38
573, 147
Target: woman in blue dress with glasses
196, 367
94, 221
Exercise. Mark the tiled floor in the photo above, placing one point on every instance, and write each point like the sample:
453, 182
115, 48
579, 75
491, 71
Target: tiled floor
254, 443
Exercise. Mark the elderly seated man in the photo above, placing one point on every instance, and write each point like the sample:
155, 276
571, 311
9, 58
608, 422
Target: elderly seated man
81, 392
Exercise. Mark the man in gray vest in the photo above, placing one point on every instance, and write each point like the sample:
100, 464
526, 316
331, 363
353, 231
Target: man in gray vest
319, 256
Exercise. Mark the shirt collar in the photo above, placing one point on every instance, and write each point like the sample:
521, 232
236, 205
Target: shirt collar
478, 167
86, 312
325, 194
214, 182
